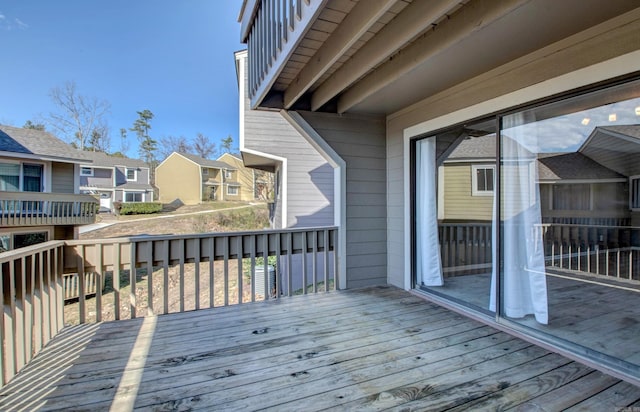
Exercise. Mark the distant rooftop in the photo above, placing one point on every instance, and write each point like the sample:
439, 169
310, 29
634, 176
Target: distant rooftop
38, 144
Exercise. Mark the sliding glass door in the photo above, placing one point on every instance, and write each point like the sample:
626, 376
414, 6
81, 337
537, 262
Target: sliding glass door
454, 206
537, 222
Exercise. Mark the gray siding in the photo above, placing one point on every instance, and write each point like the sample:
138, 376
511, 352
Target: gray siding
62, 175
100, 178
360, 142
561, 58
309, 178
142, 175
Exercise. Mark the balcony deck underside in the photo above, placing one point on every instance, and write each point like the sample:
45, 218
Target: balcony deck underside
369, 349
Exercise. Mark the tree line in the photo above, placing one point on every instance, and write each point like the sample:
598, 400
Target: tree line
82, 121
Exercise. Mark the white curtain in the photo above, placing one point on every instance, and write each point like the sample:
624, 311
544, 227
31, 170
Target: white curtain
524, 285
428, 263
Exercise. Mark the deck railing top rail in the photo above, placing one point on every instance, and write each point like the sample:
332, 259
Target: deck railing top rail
128, 277
42, 208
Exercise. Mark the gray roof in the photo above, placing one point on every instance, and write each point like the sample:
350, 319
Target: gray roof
39, 144
482, 147
103, 159
572, 166
632, 130
206, 162
551, 166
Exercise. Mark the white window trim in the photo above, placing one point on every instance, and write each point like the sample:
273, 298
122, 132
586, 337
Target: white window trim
474, 181
86, 174
236, 188
135, 174
228, 174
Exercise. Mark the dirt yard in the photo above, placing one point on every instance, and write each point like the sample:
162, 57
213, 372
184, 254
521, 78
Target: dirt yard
248, 217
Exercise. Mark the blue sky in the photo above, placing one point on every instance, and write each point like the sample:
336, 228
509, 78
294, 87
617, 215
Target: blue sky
173, 57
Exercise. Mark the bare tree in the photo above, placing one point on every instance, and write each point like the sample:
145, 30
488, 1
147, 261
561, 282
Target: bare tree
203, 146
78, 116
172, 144
99, 140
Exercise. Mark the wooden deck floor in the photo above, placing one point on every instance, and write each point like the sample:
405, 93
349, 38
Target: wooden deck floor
368, 349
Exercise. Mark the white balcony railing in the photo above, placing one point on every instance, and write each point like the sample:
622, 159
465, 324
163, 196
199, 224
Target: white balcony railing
38, 208
151, 275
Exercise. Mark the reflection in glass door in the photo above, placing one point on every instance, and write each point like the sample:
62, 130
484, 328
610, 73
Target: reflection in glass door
570, 219
454, 207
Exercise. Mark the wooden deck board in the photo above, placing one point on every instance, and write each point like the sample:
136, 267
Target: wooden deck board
366, 349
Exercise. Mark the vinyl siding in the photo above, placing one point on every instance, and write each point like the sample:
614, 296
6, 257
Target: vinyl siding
100, 178
309, 178
62, 175
461, 103
142, 175
243, 176
178, 178
622, 159
459, 203
360, 142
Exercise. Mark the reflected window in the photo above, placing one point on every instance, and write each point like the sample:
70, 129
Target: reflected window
570, 221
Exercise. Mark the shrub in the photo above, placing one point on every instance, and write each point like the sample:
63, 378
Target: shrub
140, 208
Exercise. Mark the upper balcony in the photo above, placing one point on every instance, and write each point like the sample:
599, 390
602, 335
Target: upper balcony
247, 341
45, 209
378, 57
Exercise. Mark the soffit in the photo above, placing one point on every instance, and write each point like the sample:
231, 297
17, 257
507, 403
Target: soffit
517, 27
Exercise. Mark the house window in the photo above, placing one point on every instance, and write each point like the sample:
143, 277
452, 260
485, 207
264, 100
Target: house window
205, 171
133, 196
634, 192
32, 178
16, 177
232, 190
86, 171
571, 197
132, 174
483, 179
10, 177
10, 241
228, 174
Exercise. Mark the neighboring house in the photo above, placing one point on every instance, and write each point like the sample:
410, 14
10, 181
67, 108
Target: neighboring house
383, 89
39, 191
574, 188
304, 189
193, 179
255, 184
115, 179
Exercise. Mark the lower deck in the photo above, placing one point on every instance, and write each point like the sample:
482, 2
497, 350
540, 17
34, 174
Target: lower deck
594, 312
365, 349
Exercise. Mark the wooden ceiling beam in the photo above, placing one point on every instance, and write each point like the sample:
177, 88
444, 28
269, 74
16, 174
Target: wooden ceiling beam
473, 17
413, 20
354, 25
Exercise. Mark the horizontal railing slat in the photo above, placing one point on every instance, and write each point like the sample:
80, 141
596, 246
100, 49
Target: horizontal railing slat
37, 280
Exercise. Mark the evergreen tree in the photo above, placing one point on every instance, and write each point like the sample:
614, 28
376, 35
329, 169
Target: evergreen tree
148, 146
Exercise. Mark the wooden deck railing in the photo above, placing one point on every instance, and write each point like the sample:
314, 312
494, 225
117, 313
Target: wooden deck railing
271, 36
465, 248
201, 270
38, 208
611, 251
31, 290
